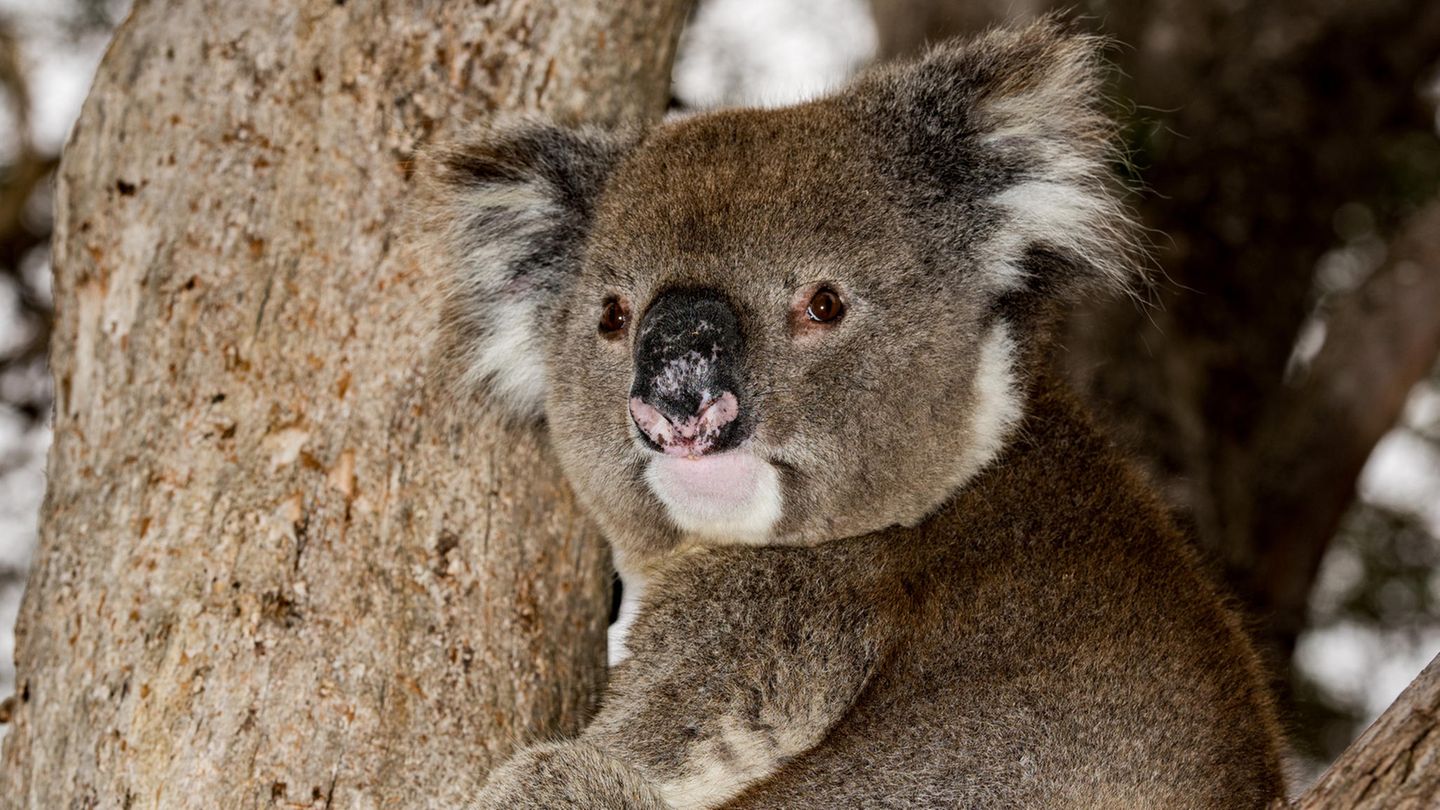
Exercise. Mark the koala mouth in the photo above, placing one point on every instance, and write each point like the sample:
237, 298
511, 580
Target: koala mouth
733, 496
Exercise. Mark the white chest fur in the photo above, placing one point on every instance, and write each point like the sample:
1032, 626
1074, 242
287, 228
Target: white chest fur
634, 588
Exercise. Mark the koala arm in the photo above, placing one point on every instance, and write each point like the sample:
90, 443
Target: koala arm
742, 659
737, 666
569, 775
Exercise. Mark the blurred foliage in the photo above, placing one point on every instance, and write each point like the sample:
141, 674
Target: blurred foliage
27, 173
26, 191
29, 318
1320, 726
25, 180
1399, 559
1388, 587
1412, 170
1381, 582
96, 15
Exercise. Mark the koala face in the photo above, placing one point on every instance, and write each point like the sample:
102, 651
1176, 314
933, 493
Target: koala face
783, 326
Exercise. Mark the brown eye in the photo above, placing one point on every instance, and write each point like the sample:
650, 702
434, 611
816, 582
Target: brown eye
613, 318
825, 306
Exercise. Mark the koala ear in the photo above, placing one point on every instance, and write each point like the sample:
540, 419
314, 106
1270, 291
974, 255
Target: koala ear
1008, 129
506, 211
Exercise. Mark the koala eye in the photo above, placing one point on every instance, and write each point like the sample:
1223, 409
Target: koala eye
613, 318
825, 306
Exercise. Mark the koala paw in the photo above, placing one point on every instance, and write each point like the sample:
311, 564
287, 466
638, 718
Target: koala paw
567, 776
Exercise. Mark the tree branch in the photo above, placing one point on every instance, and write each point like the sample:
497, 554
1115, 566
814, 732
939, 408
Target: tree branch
1395, 763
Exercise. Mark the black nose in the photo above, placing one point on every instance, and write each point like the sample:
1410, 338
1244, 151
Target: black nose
687, 397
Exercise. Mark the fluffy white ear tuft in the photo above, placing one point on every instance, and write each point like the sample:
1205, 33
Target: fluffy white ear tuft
1047, 110
505, 212
1006, 139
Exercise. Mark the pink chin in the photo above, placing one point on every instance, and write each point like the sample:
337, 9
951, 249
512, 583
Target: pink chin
714, 486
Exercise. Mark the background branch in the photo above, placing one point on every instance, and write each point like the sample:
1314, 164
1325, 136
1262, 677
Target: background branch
1395, 764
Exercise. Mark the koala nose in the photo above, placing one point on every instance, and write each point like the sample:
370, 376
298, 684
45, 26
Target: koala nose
686, 397
691, 435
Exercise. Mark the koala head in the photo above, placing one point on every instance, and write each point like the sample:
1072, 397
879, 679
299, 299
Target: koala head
786, 325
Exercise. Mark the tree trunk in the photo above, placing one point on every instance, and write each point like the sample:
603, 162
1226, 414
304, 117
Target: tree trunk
1395, 764
275, 569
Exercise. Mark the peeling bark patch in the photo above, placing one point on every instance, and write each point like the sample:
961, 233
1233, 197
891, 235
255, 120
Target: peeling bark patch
446, 543
342, 475
280, 609
284, 446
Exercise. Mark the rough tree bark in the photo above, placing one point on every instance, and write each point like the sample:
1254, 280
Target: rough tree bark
1395, 764
273, 569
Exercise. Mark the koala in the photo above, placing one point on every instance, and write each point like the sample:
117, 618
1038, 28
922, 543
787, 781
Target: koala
796, 363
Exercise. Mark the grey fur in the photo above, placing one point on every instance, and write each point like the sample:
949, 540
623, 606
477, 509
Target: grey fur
965, 597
